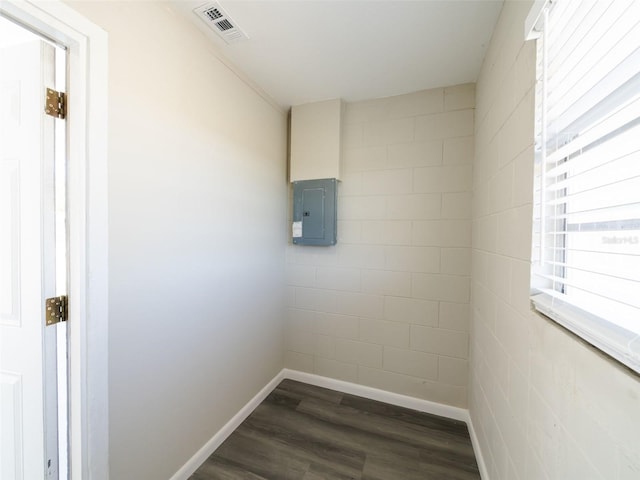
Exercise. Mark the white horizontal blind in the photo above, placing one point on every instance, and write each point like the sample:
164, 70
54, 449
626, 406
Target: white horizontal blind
586, 239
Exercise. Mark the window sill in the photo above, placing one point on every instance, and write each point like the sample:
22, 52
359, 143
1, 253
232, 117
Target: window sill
620, 344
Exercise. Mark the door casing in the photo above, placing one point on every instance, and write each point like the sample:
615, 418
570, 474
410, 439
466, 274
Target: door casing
88, 227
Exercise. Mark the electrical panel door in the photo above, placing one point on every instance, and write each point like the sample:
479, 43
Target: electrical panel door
314, 212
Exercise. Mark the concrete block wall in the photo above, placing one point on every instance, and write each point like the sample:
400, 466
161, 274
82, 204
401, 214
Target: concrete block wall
388, 306
544, 405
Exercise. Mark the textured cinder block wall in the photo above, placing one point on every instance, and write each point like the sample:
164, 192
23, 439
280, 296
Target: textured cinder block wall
388, 305
544, 404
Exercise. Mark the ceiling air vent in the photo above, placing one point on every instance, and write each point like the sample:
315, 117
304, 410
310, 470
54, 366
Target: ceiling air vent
219, 21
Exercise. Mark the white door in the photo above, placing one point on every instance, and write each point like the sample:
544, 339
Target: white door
28, 367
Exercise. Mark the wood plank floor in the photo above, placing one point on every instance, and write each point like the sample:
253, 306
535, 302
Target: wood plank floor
303, 432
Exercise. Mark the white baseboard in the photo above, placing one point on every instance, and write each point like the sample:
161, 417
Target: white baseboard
221, 435
482, 466
379, 395
421, 405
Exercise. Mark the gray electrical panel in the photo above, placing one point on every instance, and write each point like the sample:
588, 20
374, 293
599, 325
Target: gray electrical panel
315, 212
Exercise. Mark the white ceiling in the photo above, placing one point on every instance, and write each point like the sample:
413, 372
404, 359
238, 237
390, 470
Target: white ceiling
304, 51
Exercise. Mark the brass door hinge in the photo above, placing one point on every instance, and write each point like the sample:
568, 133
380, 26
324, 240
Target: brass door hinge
55, 310
56, 104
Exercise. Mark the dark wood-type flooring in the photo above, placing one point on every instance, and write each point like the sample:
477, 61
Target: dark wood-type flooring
304, 432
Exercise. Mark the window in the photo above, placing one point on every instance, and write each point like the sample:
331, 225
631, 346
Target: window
586, 228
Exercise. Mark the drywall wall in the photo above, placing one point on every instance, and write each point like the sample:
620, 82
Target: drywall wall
197, 228
544, 404
387, 306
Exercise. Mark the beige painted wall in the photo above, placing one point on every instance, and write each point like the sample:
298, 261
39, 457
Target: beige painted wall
544, 404
388, 305
197, 209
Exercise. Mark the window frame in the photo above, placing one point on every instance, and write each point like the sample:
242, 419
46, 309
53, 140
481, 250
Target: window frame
619, 343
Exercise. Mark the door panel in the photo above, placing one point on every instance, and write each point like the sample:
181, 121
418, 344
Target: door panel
11, 426
9, 241
27, 266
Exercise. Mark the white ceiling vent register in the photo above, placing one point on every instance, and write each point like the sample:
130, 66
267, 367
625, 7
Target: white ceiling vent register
219, 21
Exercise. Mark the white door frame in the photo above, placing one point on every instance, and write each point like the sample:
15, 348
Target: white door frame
88, 234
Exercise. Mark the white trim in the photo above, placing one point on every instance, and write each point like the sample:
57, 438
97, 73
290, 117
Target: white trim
87, 192
475, 442
620, 344
531, 23
221, 435
371, 393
